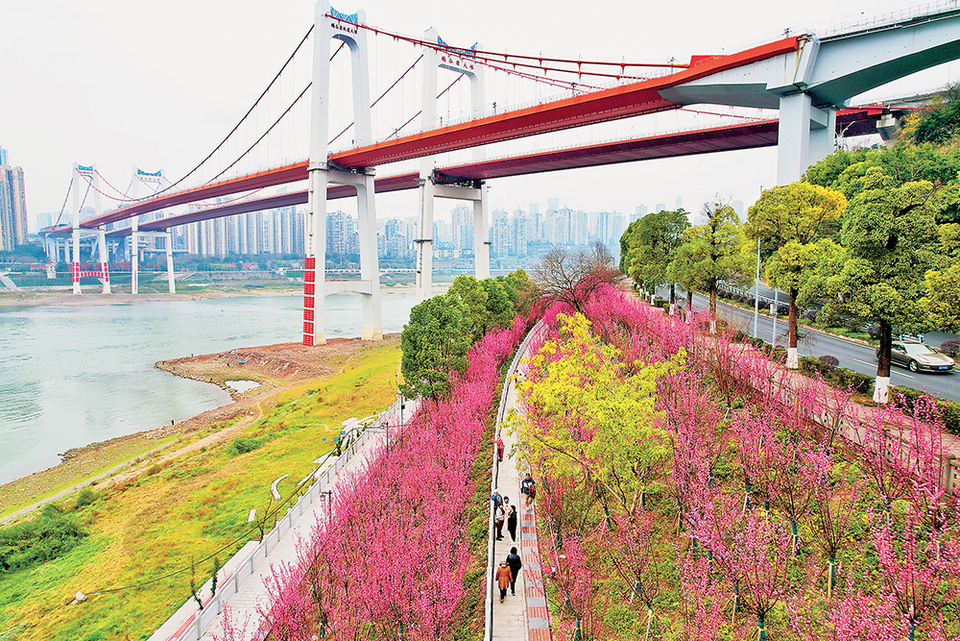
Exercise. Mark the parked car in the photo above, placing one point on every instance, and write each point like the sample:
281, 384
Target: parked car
917, 356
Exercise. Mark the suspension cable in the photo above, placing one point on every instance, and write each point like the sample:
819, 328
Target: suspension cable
76, 223
264, 135
126, 194
504, 56
395, 83
237, 126
63, 207
414, 116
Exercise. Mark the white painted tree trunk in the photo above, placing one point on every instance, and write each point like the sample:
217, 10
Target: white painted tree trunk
793, 358
881, 389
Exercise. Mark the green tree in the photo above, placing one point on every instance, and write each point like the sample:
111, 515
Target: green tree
500, 308
950, 240
714, 251
792, 217
942, 301
902, 163
519, 288
649, 245
433, 345
472, 294
938, 123
890, 234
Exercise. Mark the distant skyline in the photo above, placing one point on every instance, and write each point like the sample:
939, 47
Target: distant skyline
157, 86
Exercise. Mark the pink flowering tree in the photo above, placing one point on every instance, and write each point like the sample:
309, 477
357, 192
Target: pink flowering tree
919, 572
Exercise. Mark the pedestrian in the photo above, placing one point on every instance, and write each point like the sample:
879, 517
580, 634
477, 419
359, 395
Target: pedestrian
499, 448
526, 483
497, 500
513, 560
512, 522
504, 579
498, 524
529, 488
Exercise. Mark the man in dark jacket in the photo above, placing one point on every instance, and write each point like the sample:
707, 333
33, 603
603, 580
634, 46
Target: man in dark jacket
513, 560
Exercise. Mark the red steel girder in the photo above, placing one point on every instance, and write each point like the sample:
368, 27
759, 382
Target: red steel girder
600, 106
268, 178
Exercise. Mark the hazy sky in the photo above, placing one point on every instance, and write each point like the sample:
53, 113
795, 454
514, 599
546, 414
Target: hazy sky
157, 84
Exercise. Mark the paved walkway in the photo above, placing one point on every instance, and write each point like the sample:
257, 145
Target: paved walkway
522, 617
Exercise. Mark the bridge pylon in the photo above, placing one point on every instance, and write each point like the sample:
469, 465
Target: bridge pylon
139, 177
90, 175
460, 61
330, 24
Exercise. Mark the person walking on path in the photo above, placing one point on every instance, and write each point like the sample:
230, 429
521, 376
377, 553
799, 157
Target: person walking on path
499, 442
498, 523
529, 488
504, 579
512, 522
513, 560
497, 501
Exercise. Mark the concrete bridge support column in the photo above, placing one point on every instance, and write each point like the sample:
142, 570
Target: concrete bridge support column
481, 235
369, 264
428, 120
75, 260
134, 256
314, 266
168, 245
425, 241
807, 135
75, 253
104, 262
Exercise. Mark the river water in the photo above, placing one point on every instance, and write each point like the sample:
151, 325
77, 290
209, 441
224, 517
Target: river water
78, 374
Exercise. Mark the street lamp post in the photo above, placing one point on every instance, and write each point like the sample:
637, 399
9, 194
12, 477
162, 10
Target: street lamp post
756, 293
774, 308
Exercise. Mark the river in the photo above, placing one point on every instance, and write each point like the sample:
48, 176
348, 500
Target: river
78, 374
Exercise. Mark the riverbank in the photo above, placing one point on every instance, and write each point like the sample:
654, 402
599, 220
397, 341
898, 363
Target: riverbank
274, 367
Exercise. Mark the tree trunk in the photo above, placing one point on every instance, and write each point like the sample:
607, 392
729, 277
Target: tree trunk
673, 299
881, 389
689, 305
713, 305
793, 357
713, 299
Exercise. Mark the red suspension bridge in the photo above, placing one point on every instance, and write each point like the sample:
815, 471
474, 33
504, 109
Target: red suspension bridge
807, 80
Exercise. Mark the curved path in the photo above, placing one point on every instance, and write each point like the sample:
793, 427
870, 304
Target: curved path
523, 617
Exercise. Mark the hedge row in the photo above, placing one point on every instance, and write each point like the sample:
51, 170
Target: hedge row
839, 376
906, 398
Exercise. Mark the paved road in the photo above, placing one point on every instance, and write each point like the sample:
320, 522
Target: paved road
851, 355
